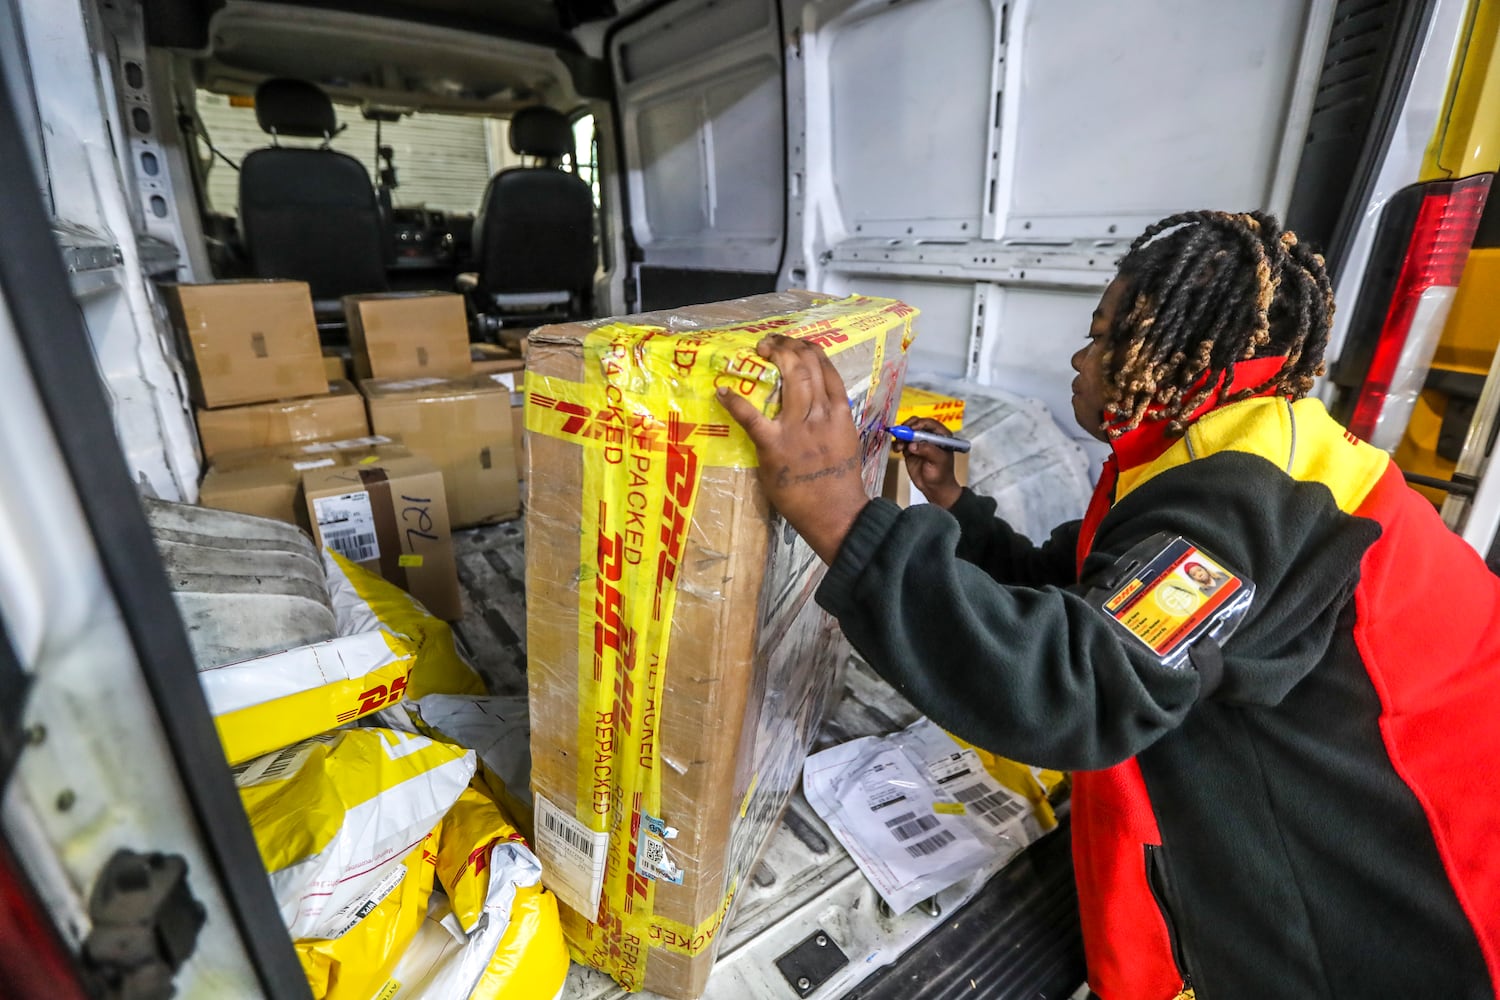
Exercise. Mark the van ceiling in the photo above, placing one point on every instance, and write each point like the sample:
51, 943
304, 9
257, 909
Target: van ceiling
367, 56
183, 24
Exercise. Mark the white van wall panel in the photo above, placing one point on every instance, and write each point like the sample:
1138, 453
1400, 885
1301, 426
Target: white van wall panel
93, 203
942, 330
1179, 104
701, 151
1030, 336
910, 115
660, 50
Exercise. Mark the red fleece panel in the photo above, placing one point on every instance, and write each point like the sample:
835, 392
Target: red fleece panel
1125, 939
1428, 631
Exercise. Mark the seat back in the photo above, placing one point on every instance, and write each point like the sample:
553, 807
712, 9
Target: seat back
534, 232
309, 214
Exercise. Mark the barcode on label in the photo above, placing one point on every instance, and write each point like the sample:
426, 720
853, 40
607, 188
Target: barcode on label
997, 807
352, 544
909, 825
572, 855
571, 836
273, 766
932, 844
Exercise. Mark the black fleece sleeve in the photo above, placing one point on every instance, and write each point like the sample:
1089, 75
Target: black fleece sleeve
1033, 673
1006, 554
1039, 675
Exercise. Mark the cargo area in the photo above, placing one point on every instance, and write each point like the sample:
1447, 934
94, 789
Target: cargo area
390, 608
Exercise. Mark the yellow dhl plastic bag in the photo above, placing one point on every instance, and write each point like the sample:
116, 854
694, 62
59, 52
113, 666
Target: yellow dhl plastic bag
361, 952
493, 933
388, 649
336, 817
1034, 784
496, 727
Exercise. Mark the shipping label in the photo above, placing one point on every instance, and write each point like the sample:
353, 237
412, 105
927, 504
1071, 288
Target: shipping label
346, 523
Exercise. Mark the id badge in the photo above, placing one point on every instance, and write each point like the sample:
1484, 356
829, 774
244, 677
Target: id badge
1167, 593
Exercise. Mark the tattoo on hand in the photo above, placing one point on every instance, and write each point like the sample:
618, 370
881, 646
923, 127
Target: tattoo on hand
784, 478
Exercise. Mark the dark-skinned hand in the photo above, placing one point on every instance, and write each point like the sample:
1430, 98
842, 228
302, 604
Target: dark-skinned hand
931, 467
810, 453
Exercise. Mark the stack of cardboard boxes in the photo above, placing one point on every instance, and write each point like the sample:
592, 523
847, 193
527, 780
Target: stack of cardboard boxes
412, 357
283, 439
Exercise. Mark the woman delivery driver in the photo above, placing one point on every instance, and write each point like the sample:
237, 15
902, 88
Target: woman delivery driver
1312, 810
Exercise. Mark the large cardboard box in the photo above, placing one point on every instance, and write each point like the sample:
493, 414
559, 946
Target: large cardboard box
463, 425
338, 415
247, 341
391, 516
408, 334
336, 364
267, 482
678, 667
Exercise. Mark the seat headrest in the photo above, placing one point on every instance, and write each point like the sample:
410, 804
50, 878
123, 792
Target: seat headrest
541, 132
294, 107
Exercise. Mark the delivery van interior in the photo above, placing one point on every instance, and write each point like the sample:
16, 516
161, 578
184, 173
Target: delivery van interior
357, 647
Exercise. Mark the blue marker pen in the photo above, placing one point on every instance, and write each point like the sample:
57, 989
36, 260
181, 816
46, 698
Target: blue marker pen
901, 432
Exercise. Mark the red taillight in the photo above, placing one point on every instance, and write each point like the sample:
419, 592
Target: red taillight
1435, 257
33, 962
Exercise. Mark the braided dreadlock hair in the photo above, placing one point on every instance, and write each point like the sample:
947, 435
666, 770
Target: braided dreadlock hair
1204, 290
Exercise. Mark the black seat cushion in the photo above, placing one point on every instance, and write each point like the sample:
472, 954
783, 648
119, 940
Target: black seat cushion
534, 233
311, 215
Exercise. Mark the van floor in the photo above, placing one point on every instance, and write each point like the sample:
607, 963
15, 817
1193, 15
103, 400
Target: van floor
1008, 932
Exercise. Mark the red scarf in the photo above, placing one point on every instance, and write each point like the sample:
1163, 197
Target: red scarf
1149, 441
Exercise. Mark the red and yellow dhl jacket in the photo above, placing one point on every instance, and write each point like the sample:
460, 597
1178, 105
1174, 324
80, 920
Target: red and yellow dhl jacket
1325, 822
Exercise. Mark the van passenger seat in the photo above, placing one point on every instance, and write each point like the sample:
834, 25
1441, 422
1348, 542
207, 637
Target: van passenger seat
534, 232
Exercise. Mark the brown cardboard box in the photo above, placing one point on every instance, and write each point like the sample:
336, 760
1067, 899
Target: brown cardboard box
267, 482
336, 365
390, 516
508, 370
247, 341
518, 433
408, 334
336, 416
464, 426
490, 358
898, 487
678, 667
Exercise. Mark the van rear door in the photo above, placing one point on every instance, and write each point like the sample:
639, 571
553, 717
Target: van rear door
701, 129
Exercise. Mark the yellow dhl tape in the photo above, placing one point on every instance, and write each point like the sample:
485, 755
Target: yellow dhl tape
649, 420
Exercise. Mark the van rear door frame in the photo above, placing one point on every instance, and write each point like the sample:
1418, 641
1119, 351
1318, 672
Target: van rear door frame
106, 714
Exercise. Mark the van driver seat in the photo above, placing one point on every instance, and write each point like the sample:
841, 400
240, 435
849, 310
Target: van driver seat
309, 214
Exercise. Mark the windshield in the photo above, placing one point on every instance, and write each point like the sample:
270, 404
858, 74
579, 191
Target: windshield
443, 162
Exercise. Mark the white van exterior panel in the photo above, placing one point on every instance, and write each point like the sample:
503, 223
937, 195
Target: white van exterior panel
97, 774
